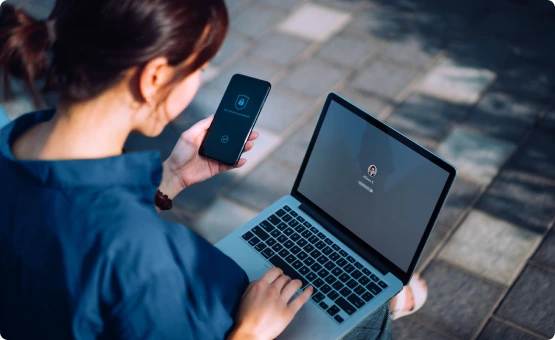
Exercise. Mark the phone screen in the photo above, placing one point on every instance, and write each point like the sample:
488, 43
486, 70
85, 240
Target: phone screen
235, 118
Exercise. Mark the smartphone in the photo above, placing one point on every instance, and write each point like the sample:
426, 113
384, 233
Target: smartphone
235, 118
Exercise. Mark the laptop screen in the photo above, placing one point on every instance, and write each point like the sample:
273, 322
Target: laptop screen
374, 185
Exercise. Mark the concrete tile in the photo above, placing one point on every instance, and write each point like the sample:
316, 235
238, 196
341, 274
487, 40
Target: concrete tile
447, 288
479, 51
455, 83
496, 329
199, 196
531, 302
475, 155
281, 111
247, 66
233, 45
293, 150
462, 193
381, 22
284, 4
263, 146
504, 116
315, 22
538, 156
204, 104
384, 79
490, 247
529, 80
425, 119
524, 199
347, 50
405, 328
312, 78
265, 185
411, 51
281, 48
164, 143
344, 5
546, 252
434, 241
221, 219
370, 105
255, 20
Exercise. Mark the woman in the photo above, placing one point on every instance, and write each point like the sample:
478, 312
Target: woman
83, 252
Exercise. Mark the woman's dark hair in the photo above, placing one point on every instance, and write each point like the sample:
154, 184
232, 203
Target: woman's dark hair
92, 42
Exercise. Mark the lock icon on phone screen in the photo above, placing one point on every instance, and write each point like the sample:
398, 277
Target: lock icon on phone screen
241, 102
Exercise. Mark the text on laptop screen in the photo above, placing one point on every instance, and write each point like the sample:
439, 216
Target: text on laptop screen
372, 184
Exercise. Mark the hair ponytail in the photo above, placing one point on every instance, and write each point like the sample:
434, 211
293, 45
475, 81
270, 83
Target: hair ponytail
24, 42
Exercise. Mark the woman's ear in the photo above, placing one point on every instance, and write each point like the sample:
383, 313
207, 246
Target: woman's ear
154, 76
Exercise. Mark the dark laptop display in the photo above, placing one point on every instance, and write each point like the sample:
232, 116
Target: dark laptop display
377, 187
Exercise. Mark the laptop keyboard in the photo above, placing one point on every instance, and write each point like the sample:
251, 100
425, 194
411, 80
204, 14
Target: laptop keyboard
341, 284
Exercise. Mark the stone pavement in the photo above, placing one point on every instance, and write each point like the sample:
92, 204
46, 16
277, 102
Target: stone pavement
471, 80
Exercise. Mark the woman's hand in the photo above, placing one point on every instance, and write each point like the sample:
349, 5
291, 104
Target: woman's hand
265, 310
185, 166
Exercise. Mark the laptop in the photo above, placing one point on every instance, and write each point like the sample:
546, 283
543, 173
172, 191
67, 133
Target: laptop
359, 214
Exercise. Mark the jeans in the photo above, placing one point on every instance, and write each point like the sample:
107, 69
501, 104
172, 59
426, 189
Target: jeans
376, 326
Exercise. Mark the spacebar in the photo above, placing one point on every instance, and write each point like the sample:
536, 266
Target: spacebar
287, 269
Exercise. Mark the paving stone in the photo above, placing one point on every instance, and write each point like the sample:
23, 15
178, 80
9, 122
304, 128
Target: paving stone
479, 51
263, 146
233, 45
384, 79
504, 116
371, 105
247, 66
447, 288
546, 252
455, 83
315, 22
204, 104
255, 20
476, 156
434, 241
346, 5
199, 196
221, 219
501, 331
524, 199
381, 22
284, 4
531, 302
461, 195
281, 111
526, 79
538, 156
491, 247
425, 119
312, 78
265, 185
281, 48
347, 50
164, 143
293, 150
412, 51
405, 328
233, 4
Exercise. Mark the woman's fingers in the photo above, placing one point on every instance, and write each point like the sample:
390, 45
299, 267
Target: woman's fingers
254, 135
248, 146
290, 289
281, 282
271, 275
300, 300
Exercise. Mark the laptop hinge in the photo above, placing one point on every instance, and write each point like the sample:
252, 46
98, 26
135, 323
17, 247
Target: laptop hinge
344, 238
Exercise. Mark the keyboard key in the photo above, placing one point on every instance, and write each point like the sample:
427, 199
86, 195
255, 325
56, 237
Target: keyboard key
347, 307
358, 265
338, 285
337, 271
286, 208
343, 253
248, 235
321, 235
302, 255
333, 295
352, 283
325, 289
316, 267
345, 291
334, 256
300, 228
288, 231
327, 250
382, 284
253, 241
293, 223
355, 300
351, 259
284, 253
282, 238
274, 219
333, 310
322, 259
318, 282
374, 278
304, 270
366, 271
297, 264
308, 248
359, 290
267, 253
313, 239
367, 296
320, 245
290, 258
315, 253
323, 273
344, 277
280, 212
356, 274
260, 233
302, 242
309, 261
260, 246
295, 250
275, 233
328, 241
324, 305
270, 242
267, 226
348, 268
311, 276
301, 219
364, 280
306, 234
288, 244
335, 247
295, 237
330, 279
277, 247
330, 266
318, 297
294, 213
373, 288
307, 224
314, 230
287, 269
287, 218
341, 262
281, 226
338, 318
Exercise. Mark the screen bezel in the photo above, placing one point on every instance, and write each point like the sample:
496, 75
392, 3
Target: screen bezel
358, 244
